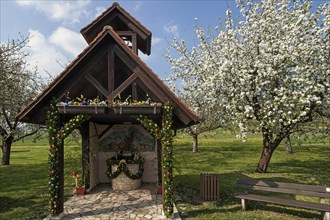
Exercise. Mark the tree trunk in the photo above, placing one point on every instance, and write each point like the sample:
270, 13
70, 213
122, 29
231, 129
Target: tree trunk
195, 143
263, 163
6, 149
288, 145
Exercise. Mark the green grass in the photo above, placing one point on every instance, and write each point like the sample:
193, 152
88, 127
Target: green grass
231, 158
23, 185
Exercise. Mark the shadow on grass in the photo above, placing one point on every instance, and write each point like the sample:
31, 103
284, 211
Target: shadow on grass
187, 187
317, 169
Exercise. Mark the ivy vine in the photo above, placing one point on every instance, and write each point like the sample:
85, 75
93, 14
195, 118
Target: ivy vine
166, 134
57, 132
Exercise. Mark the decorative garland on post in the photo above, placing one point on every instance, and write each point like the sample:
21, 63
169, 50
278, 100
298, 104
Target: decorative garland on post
166, 135
57, 133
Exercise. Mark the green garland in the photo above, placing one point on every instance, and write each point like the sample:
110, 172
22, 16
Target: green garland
166, 135
122, 167
57, 133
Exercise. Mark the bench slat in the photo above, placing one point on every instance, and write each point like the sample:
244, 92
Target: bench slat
283, 201
286, 191
289, 188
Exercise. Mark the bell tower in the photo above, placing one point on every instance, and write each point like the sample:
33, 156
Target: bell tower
131, 31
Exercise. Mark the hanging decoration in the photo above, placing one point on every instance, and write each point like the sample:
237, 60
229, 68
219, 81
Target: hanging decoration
57, 132
122, 167
166, 134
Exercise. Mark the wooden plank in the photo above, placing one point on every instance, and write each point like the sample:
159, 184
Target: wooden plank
162, 95
123, 86
86, 69
284, 201
279, 187
100, 136
124, 58
283, 190
133, 27
111, 70
125, 33
283, 185
134, 44
96, 84
134, 91
152, 83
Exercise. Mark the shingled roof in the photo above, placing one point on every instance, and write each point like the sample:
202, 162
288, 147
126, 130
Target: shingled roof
106, 68
120, 20
73, 76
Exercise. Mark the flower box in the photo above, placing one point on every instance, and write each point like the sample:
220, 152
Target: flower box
136, 110
81, 109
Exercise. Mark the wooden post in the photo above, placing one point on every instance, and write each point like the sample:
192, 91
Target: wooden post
134, 92
84, 132
111, 72
159, 164
243, 202
134, 44
61, 178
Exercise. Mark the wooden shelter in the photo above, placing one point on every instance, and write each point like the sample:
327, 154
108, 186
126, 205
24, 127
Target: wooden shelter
110, 67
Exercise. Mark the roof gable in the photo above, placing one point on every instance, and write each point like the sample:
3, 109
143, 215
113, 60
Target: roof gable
91, 74
121, 21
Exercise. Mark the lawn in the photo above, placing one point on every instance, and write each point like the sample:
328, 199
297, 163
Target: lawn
23, 185
223, 154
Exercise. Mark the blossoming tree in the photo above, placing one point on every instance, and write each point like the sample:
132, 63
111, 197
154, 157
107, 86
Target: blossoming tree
18, 85
269, 69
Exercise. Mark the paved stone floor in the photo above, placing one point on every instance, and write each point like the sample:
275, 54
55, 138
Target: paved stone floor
105, 203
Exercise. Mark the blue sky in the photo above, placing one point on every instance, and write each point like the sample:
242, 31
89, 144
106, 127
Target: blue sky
54, 26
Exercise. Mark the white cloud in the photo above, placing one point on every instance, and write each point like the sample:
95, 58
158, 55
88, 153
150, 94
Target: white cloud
70, 41
99, 10
172, 29
62, 11
155, 41
43, 55
154, 53
137, 6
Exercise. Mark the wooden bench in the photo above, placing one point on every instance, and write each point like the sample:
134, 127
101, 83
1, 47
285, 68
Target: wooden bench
284, 188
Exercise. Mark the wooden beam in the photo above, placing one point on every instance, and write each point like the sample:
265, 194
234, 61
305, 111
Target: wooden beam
134, 44
133, 27
96, 84
133, 36
152, 85
111, 70
123, 86
124, 57
86, 69
134, 91
84, 132
125, 33
61, 177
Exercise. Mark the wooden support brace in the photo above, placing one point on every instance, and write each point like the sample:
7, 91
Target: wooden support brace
96, 84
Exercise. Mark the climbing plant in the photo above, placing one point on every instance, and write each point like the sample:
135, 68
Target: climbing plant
166, 134
57, 132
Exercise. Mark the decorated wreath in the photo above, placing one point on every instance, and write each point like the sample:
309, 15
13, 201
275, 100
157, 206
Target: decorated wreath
122, 166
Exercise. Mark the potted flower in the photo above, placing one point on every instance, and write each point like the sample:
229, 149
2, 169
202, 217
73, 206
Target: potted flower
79, 190
128, 107
82, 105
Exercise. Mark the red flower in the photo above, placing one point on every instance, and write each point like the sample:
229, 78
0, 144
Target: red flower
74, 174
